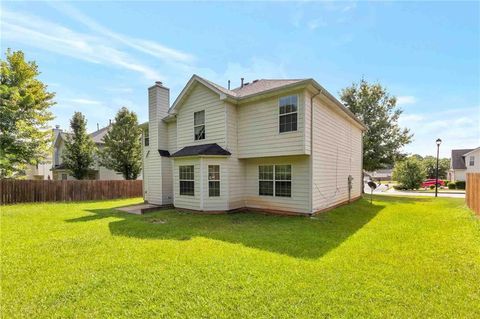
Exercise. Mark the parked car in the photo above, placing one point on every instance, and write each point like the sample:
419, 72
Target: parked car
431, 182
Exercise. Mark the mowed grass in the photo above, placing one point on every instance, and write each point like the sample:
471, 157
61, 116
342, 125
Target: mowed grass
398, 258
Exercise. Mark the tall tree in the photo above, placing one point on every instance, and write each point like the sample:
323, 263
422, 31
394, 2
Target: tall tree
430, 165
122, 151
24, 114
409, 172
384, 138
78, 156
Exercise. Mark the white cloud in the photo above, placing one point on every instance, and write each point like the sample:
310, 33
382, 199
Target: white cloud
316, 23
146, 46
406, 99
37, 32
458, 128
411, 118
84, 101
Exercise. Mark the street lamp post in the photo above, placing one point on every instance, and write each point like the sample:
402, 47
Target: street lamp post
438, 141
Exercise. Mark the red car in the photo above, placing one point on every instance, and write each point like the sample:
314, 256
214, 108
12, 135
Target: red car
431, 182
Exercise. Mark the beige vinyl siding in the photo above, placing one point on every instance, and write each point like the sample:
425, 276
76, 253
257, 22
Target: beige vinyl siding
172, 137
236, 167
183, 201
167, 180
258, 129
337, 153
476, 167
300, 184
107, 174
158, 103
201, 98
153, 170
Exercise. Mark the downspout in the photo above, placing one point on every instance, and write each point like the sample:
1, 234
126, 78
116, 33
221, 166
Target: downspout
311, 150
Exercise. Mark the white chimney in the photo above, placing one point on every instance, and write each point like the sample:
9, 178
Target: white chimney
157, 168
158, 105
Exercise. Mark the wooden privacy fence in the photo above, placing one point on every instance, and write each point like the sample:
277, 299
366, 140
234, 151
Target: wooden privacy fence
472, 193
24, 191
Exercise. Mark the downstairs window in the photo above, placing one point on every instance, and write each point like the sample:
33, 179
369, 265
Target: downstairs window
187, 180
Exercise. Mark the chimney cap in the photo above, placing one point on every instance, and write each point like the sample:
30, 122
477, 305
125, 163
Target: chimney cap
159, 83
57, 126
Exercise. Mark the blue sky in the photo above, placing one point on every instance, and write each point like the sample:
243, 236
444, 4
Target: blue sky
99, 56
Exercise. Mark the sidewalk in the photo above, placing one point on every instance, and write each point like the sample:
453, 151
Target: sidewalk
393, 192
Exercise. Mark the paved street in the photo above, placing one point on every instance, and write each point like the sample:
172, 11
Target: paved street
382, 190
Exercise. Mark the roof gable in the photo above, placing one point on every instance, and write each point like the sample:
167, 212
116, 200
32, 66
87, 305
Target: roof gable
458, 159
258, 88
195, 79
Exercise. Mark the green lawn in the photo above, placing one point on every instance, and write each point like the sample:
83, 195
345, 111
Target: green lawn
410, 257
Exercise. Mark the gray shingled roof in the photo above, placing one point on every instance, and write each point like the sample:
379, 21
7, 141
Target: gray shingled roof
254, 87
97, 136
458, 161
204, 149
262, 85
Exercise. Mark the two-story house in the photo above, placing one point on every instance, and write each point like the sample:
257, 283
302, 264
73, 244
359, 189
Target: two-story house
99, 172
464, 161
285, 146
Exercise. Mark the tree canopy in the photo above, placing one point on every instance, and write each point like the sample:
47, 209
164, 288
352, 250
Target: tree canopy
430, 165
409, 172
122, 151
384, 138
78, 156
24, 115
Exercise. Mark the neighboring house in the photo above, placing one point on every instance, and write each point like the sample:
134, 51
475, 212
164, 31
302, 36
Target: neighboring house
41, 171
258, 146
464, 161
383, 174
59, 171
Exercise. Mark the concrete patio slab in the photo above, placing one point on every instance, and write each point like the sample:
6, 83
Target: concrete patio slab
142, 208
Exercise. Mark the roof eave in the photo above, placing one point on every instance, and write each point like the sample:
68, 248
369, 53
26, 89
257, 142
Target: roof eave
472, 151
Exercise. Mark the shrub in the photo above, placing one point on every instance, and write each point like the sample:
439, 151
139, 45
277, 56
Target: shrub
460, 184
399, 187
432, 186
409, 172
446, 182
452, 185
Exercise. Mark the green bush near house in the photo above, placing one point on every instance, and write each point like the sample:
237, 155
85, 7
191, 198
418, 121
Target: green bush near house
452, 185
460, 184
399, 187
400, 257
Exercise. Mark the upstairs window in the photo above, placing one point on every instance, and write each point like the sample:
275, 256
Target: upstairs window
213, 180
187, 180
146, 137
288, 113
199, 125
472, 161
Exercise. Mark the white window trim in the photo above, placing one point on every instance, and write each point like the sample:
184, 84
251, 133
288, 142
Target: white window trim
204, 125
274, 180
219, 180
472, 157
278, 112
186, 180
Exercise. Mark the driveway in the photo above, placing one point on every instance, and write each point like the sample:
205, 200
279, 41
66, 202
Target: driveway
382, 190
